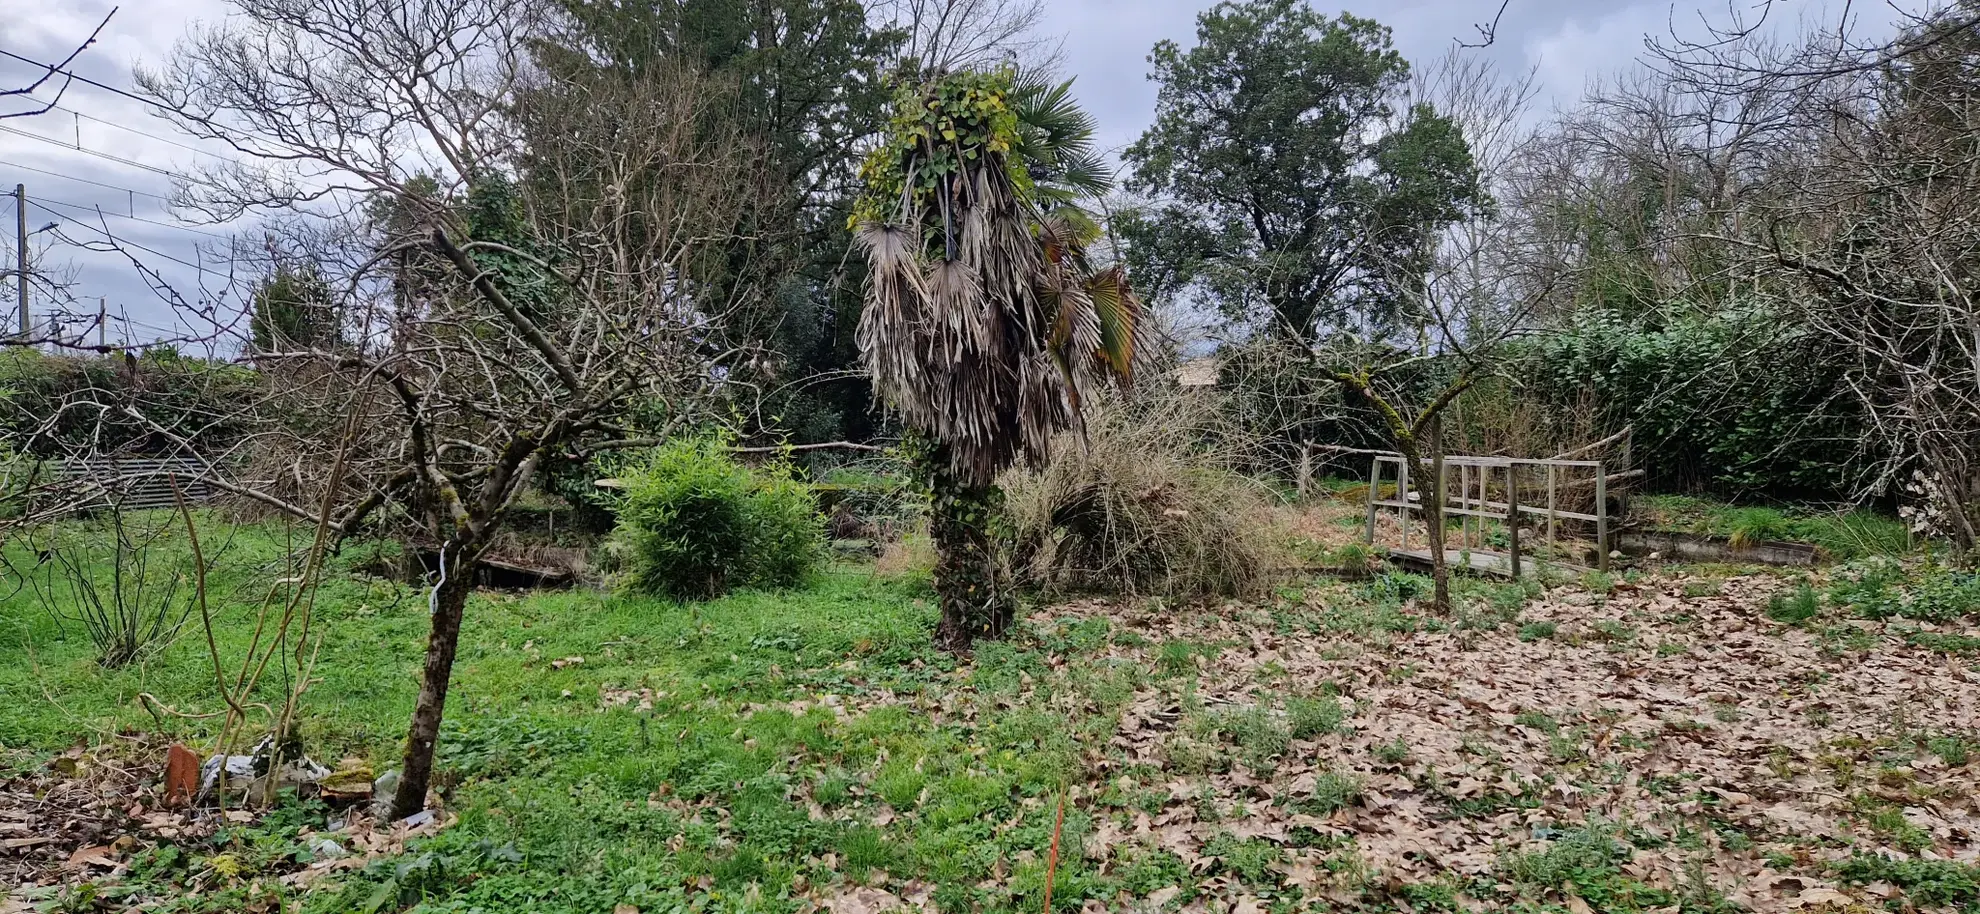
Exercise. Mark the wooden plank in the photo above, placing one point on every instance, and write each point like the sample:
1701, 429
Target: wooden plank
1480, 533
1496, 510
1467, 512
1553, 516
1492, 510
1602, 520
1481, 561
1455, 460
1512, 518
1402, 495
1572, 515
1374, 492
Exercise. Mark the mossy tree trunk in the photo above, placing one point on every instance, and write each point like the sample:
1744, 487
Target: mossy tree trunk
1433, 513
970, 581
449, 600
1415, 441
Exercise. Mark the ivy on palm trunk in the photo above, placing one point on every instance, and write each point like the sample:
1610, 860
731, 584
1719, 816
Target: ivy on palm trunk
987, 322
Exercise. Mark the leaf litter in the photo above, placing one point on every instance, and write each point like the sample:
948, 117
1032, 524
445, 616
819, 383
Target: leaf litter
1723, 744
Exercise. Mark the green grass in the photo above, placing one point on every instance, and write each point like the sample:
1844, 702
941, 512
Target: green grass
740, 790
1332, 792
1962, 645
795, 740
1926, 883
1846, 535
1311, 717
1589, 862
1538, 631
1884, 590
1174, 658
1794, 608
560, 797
1262, 737
1249, 859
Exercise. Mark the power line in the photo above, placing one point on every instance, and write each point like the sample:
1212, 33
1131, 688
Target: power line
148, 136
130, 95
101, 155
57, 174
119, 241
102, 212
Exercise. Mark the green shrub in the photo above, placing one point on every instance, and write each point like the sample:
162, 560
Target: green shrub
696, 523
1735, 400
172, 395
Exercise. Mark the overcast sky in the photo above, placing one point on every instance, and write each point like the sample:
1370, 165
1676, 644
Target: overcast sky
1566, 43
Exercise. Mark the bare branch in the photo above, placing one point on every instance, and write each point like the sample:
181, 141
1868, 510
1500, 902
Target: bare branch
51, 71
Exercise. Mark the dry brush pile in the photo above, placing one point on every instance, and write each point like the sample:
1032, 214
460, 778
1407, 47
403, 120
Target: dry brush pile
1146, 502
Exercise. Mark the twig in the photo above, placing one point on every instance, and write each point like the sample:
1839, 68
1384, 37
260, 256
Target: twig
1052, 860
828, 445
153, 705
1612, 439
1488, 32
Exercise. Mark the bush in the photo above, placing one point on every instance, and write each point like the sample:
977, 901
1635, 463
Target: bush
1143, 505
1735, 401
179, 394
695, 523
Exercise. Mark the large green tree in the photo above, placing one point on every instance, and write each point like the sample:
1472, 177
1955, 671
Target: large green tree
1288, 175
293, 308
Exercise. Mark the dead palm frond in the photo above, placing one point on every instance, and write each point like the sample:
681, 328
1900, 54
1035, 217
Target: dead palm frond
985, 316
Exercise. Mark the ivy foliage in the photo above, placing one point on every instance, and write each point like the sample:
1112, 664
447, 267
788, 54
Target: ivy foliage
53, 404
933, 131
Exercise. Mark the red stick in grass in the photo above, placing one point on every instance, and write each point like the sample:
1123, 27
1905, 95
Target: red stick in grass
1052, 860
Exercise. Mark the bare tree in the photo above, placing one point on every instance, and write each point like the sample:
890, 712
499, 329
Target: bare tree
1471, 294
1867, 222
949, 35
501, 305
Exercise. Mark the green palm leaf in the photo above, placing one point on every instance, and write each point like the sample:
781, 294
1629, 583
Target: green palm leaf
1118, 311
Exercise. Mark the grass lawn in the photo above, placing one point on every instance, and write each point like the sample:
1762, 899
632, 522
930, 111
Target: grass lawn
1645, 742
1846, 534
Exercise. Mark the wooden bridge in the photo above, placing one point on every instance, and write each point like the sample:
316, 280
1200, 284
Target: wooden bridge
1491, 489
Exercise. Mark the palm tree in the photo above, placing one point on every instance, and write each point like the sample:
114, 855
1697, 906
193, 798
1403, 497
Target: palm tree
987, 321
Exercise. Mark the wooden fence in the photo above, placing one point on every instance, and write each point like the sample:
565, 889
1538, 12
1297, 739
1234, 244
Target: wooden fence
133, 484
1491, 489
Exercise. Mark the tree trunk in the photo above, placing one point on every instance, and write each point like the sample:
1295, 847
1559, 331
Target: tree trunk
1433, 518
970, 582
449, 605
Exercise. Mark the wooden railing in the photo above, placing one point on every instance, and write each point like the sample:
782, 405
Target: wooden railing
134, 484
1491, 489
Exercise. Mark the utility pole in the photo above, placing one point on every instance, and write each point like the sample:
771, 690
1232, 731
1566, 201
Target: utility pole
21, 251
102, 323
